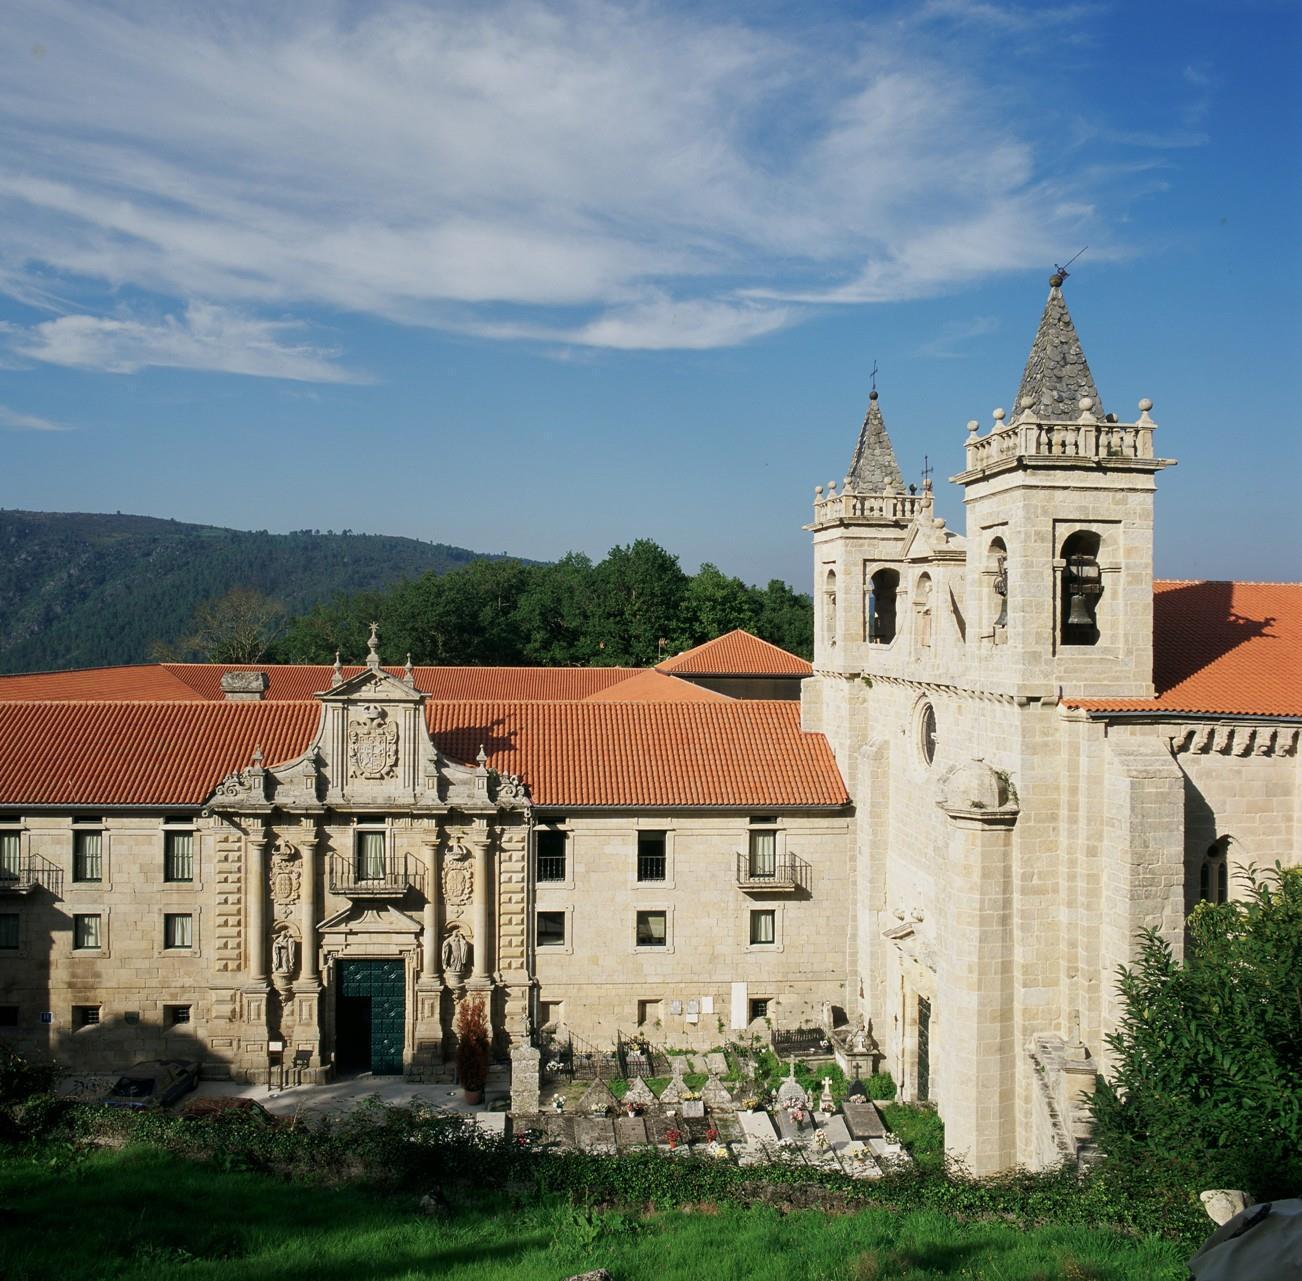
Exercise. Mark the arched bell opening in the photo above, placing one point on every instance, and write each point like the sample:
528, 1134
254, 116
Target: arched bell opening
829, 607
997, 587
883, 588
1082, 585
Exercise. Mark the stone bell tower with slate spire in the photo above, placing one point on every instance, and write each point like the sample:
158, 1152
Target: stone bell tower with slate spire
1059, 498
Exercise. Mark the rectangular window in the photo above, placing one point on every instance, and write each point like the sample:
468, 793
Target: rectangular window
10, 849
551, 855
370, 856
178, 856
178, 930
85, 1015
87, 856
176, 1015
551, 929
759, 1008
86, 931
763, 926
8, 931
652, 929
650, 856
8, 1016
763, 855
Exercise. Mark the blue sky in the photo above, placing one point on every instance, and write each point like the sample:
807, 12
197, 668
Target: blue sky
537, 277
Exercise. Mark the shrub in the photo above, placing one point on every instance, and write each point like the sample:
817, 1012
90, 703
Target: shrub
881, 1085
472, 1045
1209, 1052
20, 1076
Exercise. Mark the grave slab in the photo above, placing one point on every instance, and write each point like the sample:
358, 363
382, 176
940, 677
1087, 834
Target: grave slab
594, 1133
863, 1120
757, 1127
838, 1134
716, 1063
692, 1109
630, 1131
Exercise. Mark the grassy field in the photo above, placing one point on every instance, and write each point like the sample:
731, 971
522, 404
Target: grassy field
141, 1213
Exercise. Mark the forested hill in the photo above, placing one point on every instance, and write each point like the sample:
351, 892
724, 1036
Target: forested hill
79, 589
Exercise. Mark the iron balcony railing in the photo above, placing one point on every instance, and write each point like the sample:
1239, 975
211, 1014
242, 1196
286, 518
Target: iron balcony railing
782, 872
389, 877
31, 872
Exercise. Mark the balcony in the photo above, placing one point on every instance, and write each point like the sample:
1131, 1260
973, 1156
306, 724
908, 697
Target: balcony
30, 873
362, 878
786, 874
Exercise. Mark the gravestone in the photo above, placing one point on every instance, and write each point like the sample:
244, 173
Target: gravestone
862, 1119
526, 1063
714, 1094
673, 1092
639, 1092
716, 1063
757, 1127
787, 1128
692, 1109
630, 1131
596, 1098
594, 1133
838, 1134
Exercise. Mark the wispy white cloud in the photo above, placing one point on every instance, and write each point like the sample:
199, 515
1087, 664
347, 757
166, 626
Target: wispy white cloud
16, 420
206, 337
956, 335
587, 173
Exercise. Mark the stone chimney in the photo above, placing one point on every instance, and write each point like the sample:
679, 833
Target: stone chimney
244, 687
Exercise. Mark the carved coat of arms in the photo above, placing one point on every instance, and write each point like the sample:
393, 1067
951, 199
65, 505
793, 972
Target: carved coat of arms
458, 878
373, 744
286, 873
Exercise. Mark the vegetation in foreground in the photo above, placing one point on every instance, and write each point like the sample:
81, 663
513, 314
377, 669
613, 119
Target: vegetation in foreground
142, 1212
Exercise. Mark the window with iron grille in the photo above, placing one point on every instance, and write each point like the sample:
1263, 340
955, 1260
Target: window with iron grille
86, 931
10, 851
178, 930
178, 856
8, 931
550, 847
650, 856
176, 1015
763, 861
88, 856
759, 1008
370, 856
85, 1015
551, 929
763, 926
652, 929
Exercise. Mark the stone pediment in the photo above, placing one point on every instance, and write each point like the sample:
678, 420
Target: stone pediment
375, 685
929, 539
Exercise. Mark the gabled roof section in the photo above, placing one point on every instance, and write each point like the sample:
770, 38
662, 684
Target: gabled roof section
873, 466
138, 682
736, 653
1057, 375
1221, 648
652, 686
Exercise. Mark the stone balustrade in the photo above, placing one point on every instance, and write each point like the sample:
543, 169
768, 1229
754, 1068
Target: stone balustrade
1088, 439
832, 507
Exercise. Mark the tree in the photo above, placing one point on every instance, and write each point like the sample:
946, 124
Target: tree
473, 1048
238, 627
713, 604
786, 618
1209, 1052
637, 593
553, 614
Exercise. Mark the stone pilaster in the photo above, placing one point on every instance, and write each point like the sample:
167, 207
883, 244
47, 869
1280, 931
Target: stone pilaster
254, 1005
481, 974
429, 984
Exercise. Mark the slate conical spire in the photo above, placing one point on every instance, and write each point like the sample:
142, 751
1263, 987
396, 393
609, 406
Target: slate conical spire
1057, 375
873, 466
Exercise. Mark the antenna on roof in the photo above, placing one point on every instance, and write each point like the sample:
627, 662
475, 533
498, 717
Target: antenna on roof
1061, 273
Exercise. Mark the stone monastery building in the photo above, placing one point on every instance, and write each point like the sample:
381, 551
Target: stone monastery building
1014, 750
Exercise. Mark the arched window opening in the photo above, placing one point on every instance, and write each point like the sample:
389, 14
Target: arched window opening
1214, 875
997, 561
1082, 585
882, 590
829, 607
922, 612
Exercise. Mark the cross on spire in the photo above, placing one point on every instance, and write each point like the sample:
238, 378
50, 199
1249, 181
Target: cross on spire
874, 375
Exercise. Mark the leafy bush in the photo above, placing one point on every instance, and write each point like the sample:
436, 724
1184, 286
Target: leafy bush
21, 1077
1209, 1052
473, 1048
881, 1085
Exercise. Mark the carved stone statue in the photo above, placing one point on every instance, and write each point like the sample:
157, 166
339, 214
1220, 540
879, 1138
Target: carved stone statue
283, 951
456, 953
859, 1042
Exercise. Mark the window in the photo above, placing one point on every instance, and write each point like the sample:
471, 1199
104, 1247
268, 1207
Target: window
86, 931
927, 733
922, 612
8, 1016
370, 856
997, 574
882, 589
551, 929
652, 929
1214, 875
87, 856
551, 854
85, 1015
764, 926
178, 856
10, 851
759, 1008
829, 607
650, 856
176, 1015
8, 931
178, 930
763, 860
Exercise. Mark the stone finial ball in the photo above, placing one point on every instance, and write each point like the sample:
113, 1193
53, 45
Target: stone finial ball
1145, 405
1086, 402
1028, 402
973, 425
818, 491
872, 395
1056, 279
831, 485
999, 415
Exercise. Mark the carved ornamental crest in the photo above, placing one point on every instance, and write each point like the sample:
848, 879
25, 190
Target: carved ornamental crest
286, 873
373, 744
458, 877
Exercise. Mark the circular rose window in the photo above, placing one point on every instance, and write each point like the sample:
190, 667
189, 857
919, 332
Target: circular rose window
927, 733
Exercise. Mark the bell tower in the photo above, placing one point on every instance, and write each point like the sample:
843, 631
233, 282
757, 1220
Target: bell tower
1059, 498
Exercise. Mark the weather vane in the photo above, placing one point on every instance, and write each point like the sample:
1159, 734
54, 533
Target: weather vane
1062, 271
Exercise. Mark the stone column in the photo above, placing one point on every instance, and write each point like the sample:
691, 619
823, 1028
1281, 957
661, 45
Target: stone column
309, 970
429, 986
256, 891
481, 914
307, 990
252, 1058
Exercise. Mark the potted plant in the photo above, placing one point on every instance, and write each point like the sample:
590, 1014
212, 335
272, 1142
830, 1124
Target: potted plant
472, 1049
672, 1137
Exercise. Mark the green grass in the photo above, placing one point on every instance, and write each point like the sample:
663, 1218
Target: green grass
141, 1213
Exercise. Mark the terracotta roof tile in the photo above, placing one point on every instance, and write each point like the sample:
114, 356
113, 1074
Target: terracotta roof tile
1222, 648
140, 682
651, 686
737, 653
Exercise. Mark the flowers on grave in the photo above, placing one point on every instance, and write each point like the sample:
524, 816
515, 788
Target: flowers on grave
711, 1135
558, 1103
825, 1044
632, 1108
750, 1103
690, 1094
820, 1140
717, 1150
672, 1138
554, 1065
797, 1113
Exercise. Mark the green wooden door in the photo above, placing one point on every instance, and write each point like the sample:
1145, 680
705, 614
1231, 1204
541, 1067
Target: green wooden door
384, 984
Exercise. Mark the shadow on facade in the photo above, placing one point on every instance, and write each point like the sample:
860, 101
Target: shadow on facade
1195, 625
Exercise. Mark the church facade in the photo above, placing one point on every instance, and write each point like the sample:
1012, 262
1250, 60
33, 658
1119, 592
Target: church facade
1012, 753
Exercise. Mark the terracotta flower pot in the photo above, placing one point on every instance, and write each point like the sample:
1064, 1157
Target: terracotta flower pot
473, 1096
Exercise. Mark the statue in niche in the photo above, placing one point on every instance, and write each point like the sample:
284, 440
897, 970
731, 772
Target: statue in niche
283, 952
456, 953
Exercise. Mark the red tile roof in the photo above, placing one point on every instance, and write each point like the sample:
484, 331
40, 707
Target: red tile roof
731, 754
141, 682
737, 653
1222, 648
651, 686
